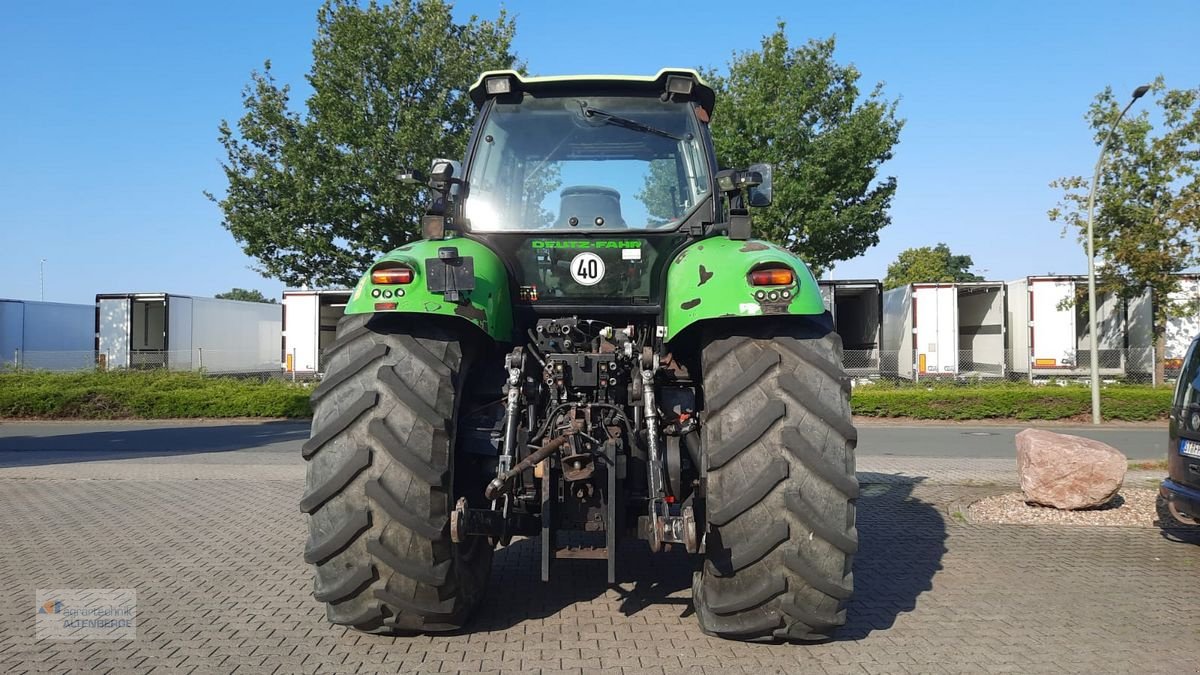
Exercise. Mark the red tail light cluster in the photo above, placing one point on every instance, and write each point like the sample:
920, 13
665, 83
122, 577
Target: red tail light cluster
390, 276
772, 276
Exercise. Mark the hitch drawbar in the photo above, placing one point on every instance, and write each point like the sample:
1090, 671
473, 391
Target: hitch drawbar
501, 484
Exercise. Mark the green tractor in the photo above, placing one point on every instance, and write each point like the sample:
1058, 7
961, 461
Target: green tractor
586, 345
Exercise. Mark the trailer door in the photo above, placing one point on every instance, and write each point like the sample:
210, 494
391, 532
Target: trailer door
1185, 325
936, 321
113, 338
12, 331
301, 332
827, 297
1052, 323
180, 355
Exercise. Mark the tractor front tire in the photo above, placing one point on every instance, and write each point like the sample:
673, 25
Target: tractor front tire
380, 475
779, 445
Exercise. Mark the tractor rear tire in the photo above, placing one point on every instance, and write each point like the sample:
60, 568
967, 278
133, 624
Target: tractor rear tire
779, 446
380, 476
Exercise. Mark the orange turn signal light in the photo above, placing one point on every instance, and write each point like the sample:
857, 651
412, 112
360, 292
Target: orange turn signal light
392, 275
772, 276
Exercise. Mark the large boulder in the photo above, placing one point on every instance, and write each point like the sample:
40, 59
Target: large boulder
1068, 472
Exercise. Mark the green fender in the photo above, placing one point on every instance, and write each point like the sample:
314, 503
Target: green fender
710, 280
487, 307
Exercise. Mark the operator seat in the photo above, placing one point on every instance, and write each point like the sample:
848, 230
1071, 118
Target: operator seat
588, 202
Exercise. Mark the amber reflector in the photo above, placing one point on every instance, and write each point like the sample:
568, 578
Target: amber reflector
392, 275
775, 276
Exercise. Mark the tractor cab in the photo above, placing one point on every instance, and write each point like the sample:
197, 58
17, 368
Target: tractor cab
588, 186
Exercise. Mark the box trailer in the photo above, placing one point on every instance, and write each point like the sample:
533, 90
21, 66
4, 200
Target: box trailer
182, 332
1048, 329
944, 329
856, 306
1184, 325
309, 325
47, 335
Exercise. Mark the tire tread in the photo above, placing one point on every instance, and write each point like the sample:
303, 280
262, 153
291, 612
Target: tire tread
779, 446
378, 487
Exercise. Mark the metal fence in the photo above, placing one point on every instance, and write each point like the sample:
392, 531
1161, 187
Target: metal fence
209, 361
1116, 365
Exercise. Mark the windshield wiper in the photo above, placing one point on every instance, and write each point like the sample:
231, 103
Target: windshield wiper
626, 123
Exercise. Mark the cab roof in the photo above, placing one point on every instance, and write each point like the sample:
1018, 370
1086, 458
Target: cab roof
702, 93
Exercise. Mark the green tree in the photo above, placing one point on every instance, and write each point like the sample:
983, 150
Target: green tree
1147, 216
801, 111
929, 264
658, 192
245, 295
315, 197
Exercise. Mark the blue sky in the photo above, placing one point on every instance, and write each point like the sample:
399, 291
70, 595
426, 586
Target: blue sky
109, 114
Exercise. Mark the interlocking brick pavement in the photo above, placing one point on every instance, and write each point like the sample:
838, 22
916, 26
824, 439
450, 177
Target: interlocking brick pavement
222, 588
959, 471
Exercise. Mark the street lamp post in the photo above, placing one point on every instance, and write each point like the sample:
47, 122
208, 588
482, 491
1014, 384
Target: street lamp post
42, 278
1091, 253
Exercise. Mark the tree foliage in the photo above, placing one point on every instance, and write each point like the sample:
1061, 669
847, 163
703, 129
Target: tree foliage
658, 192
929, 264
1147, 215
245, 295
801, 111
315, 197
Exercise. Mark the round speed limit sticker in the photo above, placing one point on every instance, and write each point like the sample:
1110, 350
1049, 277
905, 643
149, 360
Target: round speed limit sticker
587, 269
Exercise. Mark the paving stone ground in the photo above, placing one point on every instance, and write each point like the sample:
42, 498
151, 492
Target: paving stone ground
221, 587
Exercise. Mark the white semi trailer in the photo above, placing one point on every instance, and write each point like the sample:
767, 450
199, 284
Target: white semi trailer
1185, 324
309, 323
856, 306
47, 335
182, 332
944, 330
1048, 329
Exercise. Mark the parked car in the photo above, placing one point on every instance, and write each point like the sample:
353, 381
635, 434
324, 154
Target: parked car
1179, 494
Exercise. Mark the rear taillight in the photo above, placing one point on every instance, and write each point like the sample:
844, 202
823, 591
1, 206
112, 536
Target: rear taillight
772, 276
390, 276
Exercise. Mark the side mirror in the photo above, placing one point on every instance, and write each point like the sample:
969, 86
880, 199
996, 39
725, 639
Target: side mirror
760, 194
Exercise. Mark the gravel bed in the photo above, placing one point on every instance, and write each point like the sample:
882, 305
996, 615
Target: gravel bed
1132, 507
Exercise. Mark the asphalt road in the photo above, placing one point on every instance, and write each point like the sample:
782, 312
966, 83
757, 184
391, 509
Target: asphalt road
994, 442
279, 442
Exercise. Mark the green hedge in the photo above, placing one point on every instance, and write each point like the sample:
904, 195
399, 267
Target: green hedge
147, 394
158, 394
1023, 402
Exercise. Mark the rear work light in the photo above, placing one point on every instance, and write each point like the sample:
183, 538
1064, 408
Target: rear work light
498, 85
389, 276
772, 276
